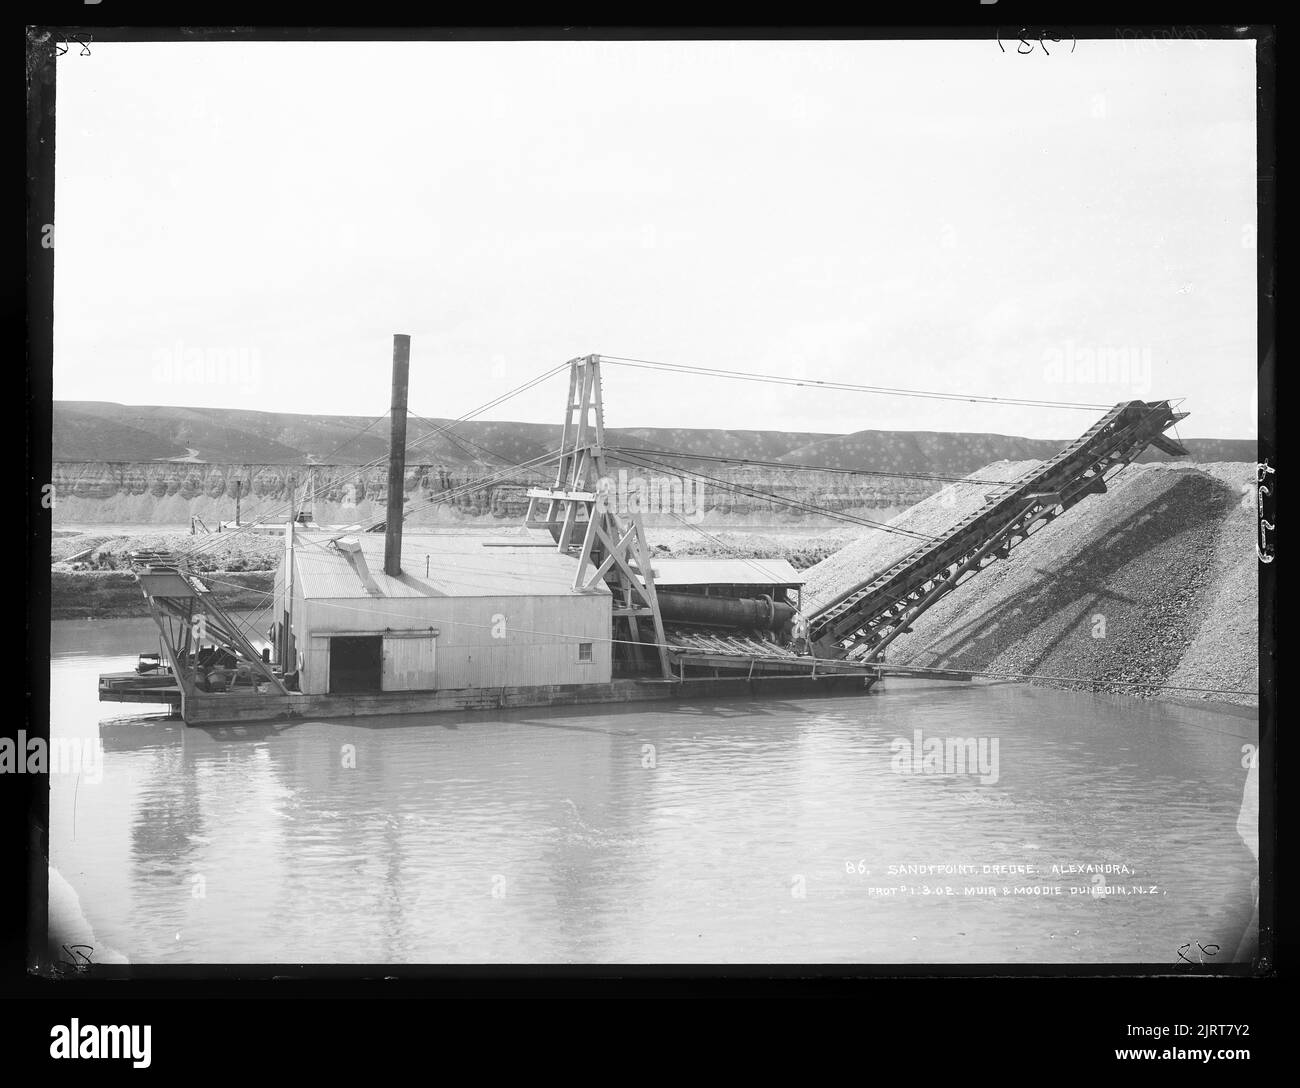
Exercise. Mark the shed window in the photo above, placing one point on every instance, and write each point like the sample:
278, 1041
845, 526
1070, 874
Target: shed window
584, 651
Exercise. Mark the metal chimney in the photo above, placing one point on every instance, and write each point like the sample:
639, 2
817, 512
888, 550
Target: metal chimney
397, 457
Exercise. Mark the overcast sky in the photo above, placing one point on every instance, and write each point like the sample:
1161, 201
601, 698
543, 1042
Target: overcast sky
246, 226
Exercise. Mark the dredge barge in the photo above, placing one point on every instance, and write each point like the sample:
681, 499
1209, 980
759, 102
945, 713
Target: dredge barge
581, 611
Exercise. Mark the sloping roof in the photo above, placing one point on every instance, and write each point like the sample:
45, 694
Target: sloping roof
739, 572
458, 566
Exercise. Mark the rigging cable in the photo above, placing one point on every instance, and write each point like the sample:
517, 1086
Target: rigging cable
745, 375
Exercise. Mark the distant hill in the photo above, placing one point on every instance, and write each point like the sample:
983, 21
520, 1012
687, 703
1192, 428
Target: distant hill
957, 452
84, 436
1210, 450
906, 451
216, 434
100, 431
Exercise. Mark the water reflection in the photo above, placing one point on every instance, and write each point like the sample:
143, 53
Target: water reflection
764, 830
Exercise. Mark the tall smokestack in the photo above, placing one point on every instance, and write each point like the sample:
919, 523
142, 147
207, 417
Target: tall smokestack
397, 457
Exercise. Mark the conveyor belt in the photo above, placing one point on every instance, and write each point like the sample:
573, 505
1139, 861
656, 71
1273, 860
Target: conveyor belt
862, 621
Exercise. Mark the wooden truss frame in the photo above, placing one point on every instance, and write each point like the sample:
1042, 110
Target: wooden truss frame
579, 514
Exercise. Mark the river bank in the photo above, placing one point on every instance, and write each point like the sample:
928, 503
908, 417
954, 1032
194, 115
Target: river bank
90, 571
111, 594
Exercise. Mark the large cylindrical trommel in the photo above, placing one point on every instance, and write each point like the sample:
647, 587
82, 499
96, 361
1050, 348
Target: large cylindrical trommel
740, 613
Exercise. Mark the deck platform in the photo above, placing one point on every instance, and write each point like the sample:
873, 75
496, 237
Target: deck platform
209, 708
132, 687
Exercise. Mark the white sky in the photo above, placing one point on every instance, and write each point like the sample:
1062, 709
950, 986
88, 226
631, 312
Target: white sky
932, 215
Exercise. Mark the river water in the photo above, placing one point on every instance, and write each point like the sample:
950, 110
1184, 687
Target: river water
767, 830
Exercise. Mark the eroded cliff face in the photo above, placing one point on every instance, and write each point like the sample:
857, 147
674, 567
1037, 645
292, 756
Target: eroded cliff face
98, 492
170, 493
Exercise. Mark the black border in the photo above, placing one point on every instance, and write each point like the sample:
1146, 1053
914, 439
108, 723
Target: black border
287, 981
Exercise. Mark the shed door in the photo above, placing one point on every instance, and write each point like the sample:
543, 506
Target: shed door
408, 663
355, 663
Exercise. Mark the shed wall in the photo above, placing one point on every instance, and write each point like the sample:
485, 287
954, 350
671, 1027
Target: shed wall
481, 641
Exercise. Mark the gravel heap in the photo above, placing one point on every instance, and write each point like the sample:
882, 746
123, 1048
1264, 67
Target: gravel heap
1152, 585
800, 550
878, 548
217, 551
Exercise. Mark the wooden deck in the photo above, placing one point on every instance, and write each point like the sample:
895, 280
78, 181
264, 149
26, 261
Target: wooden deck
132, 687
202, 708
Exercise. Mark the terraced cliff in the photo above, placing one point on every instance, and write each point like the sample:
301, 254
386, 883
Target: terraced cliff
170, 493
134, 464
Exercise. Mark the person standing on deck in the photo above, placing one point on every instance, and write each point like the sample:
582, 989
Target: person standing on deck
800, 632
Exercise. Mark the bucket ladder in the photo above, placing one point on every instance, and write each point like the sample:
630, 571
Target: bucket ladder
861, 622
